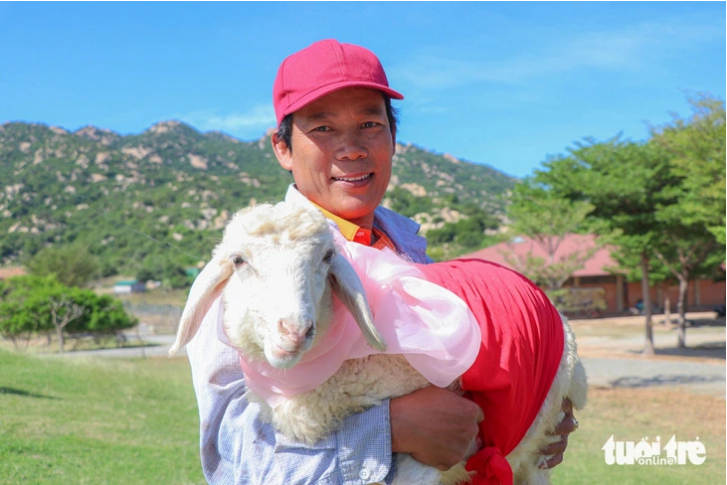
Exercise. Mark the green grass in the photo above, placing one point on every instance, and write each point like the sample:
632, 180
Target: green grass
97, 421
632, 414
113, 421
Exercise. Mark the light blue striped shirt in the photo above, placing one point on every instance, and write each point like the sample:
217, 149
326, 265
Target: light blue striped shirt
237, 447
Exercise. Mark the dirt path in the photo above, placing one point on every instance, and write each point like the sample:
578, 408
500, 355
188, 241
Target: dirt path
156, 346
611, 350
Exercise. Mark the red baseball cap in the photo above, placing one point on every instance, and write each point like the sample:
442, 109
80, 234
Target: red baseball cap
324, 67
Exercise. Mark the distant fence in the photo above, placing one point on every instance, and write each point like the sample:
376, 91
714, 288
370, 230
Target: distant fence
580, 301
156, 319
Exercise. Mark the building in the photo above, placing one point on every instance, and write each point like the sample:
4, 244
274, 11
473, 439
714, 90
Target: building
599, 271
129, 286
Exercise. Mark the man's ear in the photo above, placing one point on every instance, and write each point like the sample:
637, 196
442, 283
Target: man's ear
282, 152
393, 140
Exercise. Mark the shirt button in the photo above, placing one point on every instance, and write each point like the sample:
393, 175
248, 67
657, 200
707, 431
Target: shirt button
364, 474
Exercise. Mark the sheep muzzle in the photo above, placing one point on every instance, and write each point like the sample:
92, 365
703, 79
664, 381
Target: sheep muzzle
294, 334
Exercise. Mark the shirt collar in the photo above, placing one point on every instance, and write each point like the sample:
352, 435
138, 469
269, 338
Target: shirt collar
389, 227
348, 229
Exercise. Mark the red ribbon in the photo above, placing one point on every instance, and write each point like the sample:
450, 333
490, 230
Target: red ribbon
492, 468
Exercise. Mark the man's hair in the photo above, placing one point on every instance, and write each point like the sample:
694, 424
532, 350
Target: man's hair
285, 130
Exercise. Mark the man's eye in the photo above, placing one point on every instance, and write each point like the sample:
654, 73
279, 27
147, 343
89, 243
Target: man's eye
322, 128
370, 124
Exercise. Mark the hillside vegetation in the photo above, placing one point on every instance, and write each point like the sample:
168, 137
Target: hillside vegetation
165, 195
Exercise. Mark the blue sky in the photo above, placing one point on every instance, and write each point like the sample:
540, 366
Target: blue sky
505, 84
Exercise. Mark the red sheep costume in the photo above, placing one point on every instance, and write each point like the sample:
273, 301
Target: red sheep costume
522, 346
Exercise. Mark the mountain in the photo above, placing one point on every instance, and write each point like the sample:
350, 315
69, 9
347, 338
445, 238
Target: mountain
166, 193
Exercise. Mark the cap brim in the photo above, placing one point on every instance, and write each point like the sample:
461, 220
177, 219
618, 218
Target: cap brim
329, 88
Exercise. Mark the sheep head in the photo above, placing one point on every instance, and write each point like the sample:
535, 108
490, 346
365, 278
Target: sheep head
276, 268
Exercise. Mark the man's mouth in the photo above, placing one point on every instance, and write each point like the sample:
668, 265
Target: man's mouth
357, 178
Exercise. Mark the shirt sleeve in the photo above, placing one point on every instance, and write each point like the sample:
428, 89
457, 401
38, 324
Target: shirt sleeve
238, 447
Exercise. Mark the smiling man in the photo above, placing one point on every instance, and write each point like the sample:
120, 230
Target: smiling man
337, 135
343, 148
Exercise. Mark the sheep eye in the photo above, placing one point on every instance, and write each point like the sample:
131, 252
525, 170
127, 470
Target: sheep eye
237, 260
329, 255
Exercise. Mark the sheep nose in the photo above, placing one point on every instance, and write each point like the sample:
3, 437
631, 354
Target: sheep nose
295, 332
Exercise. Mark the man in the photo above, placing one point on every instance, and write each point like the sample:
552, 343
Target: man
337, 135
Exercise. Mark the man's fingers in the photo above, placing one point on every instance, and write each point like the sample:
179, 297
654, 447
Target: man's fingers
556, 448
568, 425
554, 461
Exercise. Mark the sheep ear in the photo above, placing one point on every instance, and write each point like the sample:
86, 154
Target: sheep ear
346, 284
205, 290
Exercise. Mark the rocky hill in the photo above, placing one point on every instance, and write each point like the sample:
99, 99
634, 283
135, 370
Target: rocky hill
167, 192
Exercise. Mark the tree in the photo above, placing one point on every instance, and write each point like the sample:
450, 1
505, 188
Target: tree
697, 154
62, 312
685, 257
72, 265
625, 182
408, 204
547, 219
659, 277
695, 219
36, 305
22, 311
468, 232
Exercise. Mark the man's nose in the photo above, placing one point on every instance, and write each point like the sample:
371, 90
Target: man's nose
353, 147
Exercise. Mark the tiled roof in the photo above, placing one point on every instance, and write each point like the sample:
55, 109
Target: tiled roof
596, 266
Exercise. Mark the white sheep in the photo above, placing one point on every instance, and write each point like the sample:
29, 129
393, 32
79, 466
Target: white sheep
275, 269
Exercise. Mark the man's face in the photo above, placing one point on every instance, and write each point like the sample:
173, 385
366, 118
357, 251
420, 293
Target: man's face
341, 157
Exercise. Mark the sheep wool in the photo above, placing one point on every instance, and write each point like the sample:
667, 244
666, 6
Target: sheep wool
431, 327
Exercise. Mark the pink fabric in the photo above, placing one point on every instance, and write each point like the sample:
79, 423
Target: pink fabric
432, 327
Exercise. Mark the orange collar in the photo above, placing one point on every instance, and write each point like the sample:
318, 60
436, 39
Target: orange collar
358, 234
348, 229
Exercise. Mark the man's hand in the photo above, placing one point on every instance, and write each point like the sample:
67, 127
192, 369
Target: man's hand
564, 428
434, 425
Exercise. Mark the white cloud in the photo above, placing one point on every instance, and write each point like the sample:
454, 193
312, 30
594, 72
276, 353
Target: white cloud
247, 123
629, 47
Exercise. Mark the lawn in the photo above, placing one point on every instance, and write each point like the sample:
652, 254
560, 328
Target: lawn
632, 414
111, 421
97, 422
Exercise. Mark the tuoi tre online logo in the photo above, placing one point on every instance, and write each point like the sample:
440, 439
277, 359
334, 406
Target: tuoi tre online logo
653, 453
